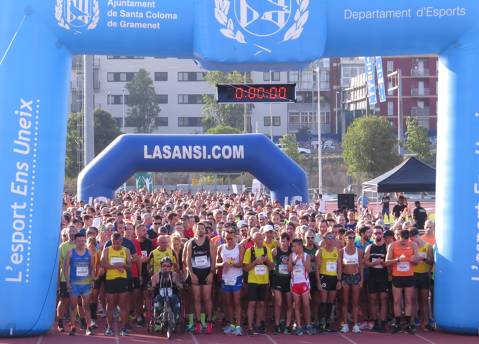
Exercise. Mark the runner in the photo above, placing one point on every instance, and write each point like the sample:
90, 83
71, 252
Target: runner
401, 255
328, 276
310, 248
280, 284
199, 257
257, 262
352, 281
378, 286
229, 258
116, 259
299, 266
79, 270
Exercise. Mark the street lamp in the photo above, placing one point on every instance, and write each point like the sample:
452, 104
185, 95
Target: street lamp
123, 112
337, 107
320, 166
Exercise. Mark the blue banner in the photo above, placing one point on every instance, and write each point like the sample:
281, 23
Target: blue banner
380, 74
371, 81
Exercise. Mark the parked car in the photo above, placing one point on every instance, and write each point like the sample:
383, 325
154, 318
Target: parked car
301, 150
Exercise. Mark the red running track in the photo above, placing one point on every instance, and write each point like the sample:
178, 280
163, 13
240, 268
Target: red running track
140, 336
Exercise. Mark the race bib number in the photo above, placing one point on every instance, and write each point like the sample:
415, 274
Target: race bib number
166, 292
230, 281
351, 261
260, 270
116, 260
331, 266
375, 260
83, 271
403, 266
283, 269
201, 261
298, 271
144, 254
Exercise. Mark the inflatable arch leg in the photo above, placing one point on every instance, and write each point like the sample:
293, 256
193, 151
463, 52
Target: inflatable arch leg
33, 101
457, 208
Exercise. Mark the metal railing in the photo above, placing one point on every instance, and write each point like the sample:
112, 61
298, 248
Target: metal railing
420, 72
416, 92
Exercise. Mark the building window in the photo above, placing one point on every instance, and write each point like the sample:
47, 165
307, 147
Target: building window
162, 98
124, 57
293, 77
390, 108
120, 76
390, 66
161, 76
276, 121
191, 76
161, 121
274, 76
116, 99
192, 98
189, 121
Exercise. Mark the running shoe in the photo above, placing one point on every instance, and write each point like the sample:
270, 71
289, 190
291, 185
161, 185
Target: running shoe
238, 331
93, 324
299, 331
251, 332
190, 327
277, 330
209, 328
261, 329
411, 328
140, 322
198, 328
395, 328
309, 330
72, 331
89, 331
124, 332
356, 329
344, 328
109, 332
287, 330
61, 327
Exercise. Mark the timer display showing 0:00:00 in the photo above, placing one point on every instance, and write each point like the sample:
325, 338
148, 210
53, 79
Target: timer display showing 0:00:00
261, 93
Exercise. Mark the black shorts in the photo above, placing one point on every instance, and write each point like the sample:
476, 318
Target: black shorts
378, 284
281, 283
313, 282
202, 275
328, 283
134, 283
423, 280
256, 292
144, 282
403, 281
116, 286
63, 291
351, 279
98, 282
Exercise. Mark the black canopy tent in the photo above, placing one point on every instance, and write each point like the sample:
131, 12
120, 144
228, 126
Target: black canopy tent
410, 176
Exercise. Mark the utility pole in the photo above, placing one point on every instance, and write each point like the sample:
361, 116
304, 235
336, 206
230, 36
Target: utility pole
320, 165
89, 120
245, 125
395, 83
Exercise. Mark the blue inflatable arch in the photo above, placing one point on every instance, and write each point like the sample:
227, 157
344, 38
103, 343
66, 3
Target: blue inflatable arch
199, 153
38, 38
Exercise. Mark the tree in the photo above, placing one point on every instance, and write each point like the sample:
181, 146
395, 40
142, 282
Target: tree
370, 147
223, 129
143, 102
224, 114
418, 143
106, 130
289, 145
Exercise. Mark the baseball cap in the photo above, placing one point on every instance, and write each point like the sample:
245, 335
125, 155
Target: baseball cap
267, 228
242, 223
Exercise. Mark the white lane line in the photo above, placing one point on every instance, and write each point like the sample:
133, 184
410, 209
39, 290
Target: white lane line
348, 339
270, 339
117, 338
425, 339
39, 340
194, 338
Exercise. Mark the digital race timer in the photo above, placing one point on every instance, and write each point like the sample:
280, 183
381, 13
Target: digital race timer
257, 93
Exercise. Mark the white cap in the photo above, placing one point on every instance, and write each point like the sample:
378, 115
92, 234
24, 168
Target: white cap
267, 228
242, 223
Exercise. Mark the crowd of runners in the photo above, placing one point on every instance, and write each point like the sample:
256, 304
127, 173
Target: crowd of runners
244, 263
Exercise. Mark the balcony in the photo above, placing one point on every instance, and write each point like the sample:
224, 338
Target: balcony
420, 72
420, 92
417, 111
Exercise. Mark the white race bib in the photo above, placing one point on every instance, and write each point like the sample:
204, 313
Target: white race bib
283, 269
351, 261
83, 271
331, 266
298, 271
144, 254
116, 260
166, 292
260, 270
403, 266
230, 281
201, 262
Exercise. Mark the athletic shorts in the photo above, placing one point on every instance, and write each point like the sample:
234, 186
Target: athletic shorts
351, 279
228, 287
63, 291
313, 282
423, 281
403, 281
378, 284
256, 292
144, 282
98, 282
328, 283
300, 288
134, 283
281, 283
80, 289
116, 286
202, 275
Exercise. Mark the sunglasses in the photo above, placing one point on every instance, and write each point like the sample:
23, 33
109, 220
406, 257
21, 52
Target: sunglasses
310, 238
157, 224
351, 238
330, 238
